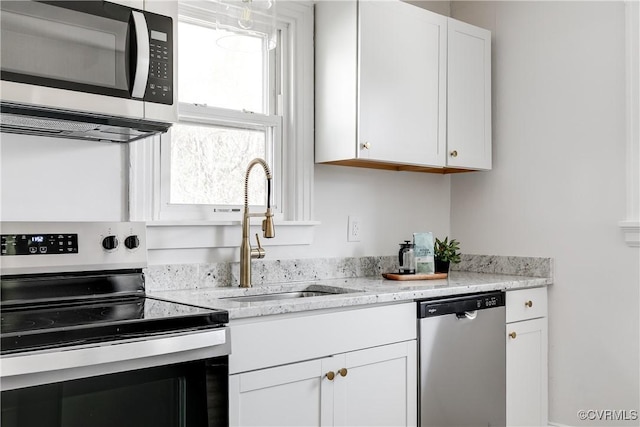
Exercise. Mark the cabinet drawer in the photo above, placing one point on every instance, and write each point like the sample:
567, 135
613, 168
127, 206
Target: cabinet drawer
278, 340
526, 304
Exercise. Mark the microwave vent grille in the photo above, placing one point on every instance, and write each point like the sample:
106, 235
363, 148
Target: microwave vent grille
12, 120
43, 121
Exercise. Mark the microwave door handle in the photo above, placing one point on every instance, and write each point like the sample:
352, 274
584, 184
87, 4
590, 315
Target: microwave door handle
142, 57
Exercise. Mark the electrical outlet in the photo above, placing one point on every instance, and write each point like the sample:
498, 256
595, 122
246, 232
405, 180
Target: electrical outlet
353, 229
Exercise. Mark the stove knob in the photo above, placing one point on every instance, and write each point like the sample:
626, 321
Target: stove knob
132, 242
110, 243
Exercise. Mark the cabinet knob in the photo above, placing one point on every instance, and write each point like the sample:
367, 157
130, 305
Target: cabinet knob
330, 375
529, 304
512, 335
454, 153
343, 372
366, 145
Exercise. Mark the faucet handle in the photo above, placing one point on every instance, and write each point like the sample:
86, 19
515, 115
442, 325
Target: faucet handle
268, 229
257, 253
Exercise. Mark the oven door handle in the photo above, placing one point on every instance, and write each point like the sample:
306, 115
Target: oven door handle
142, 55
29, 369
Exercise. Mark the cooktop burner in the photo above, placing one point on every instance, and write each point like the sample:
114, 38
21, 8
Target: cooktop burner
62, 324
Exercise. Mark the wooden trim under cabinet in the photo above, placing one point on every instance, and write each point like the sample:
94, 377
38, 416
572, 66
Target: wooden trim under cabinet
372, 164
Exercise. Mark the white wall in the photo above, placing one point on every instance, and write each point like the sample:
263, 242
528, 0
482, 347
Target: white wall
52, 179
442, 7
558, 189
48, 179
391, 205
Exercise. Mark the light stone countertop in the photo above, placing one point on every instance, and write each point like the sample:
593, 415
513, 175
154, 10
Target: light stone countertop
356, 292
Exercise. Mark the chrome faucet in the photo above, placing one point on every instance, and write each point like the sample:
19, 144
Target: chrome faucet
268, 230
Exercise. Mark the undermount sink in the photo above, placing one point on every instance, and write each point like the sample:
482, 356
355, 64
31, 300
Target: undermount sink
312, 291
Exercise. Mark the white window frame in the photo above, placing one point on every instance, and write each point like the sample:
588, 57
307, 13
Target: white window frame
294, 225
190, 114
631, 225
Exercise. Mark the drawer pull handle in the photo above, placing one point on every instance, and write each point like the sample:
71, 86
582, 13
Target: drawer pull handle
512, 335
343, 372
529, 304
366, 145
330, 375
454, 153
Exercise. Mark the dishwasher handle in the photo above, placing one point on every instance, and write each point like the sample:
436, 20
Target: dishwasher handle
460, 304
471, 315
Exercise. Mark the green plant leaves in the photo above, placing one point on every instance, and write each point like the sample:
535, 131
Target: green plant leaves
445, 250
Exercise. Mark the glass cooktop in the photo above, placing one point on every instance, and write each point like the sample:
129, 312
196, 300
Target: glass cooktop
37, 327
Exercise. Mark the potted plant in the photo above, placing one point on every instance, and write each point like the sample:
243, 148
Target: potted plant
446, 252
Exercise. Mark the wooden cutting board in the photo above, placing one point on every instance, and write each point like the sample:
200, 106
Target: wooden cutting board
396, 276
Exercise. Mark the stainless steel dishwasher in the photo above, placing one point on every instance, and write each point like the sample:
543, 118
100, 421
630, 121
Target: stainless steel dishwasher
462, 360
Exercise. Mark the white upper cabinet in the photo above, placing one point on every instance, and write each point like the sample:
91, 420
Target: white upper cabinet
402, 81
336, 80
468, 96
382, 83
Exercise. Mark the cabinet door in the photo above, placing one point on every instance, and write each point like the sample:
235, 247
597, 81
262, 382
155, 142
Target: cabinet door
468, 96
402, 68
336, 71
289, 395
527, 373
380, 386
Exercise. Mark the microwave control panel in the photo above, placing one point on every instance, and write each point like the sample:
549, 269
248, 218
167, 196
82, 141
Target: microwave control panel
160, 82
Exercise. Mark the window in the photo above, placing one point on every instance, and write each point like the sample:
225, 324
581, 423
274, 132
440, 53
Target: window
237, 100
203, 157
229, 93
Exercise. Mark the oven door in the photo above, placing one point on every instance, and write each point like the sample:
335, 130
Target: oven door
172, 381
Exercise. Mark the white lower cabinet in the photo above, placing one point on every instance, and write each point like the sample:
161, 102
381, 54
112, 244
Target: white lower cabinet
359, 366
379, 388
372, 387
364, 372
527, 345
289, 395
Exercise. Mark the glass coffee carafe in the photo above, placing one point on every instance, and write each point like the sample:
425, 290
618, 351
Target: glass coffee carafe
407, 258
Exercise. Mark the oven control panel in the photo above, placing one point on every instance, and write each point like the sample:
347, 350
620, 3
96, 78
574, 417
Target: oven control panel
36, 247
39, 244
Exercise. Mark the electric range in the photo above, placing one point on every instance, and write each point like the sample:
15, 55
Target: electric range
75, 312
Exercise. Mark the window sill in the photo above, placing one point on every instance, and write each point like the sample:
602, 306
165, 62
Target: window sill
631, 230
162, 235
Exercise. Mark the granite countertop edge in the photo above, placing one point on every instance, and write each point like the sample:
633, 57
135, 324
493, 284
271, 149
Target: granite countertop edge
355, 292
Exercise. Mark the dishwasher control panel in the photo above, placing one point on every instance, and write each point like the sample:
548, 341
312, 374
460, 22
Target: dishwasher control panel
460, 304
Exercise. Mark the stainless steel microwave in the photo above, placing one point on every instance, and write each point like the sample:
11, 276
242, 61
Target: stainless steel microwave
107, 65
